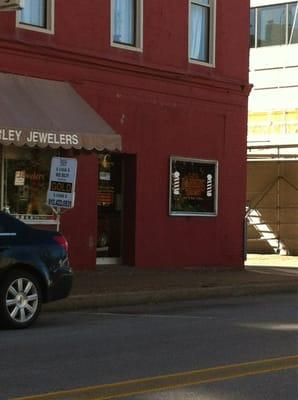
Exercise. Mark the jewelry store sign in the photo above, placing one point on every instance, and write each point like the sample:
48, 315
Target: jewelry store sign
37, 138
193, 187
61, 192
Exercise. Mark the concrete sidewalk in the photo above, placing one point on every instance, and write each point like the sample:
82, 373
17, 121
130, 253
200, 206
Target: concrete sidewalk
120, 285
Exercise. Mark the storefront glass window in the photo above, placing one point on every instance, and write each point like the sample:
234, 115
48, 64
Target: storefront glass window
25, 179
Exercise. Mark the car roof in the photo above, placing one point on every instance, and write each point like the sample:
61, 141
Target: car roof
9, 221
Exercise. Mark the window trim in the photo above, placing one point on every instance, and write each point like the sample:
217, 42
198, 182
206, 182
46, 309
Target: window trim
50, 20
287, 28
264, 3
212, 33
255, 26
138, 46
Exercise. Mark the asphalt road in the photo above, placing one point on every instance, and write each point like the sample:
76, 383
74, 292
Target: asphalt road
233, 348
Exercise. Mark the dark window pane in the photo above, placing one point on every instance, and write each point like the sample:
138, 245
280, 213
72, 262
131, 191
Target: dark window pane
293, 23
252, 27
272, 25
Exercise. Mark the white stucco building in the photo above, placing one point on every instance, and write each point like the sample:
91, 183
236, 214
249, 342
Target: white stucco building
273, 127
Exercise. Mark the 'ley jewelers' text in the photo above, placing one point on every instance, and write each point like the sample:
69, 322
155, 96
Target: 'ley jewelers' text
31, 137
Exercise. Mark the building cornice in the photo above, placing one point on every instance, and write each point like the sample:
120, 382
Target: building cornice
88, 59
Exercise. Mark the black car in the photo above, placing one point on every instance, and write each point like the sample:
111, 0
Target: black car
34, 269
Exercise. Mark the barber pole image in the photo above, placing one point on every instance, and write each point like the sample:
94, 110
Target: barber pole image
176, 183
209, 185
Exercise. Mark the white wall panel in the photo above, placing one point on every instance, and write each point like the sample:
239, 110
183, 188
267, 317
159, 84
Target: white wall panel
274, 57
273, 99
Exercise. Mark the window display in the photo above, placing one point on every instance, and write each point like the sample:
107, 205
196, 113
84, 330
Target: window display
25, 179
193, 187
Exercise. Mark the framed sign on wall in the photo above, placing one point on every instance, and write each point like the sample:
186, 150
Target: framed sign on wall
193, 187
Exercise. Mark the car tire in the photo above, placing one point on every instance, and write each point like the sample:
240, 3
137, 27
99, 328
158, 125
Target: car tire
20, 299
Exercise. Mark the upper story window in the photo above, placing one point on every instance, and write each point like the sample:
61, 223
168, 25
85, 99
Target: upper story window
126, 23
202, 31
37, 15
274, 25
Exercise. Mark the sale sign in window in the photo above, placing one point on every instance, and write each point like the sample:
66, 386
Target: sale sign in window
61, 193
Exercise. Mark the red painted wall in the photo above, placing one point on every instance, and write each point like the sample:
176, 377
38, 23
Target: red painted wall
161, 105
79, 225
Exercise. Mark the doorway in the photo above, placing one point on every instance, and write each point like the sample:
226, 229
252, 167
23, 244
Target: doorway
109, 209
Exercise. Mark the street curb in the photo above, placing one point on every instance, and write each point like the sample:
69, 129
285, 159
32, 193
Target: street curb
81, 302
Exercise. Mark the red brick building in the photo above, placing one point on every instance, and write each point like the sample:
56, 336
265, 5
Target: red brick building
155, 94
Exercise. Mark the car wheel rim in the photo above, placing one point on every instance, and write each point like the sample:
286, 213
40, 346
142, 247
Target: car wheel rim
21, 300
